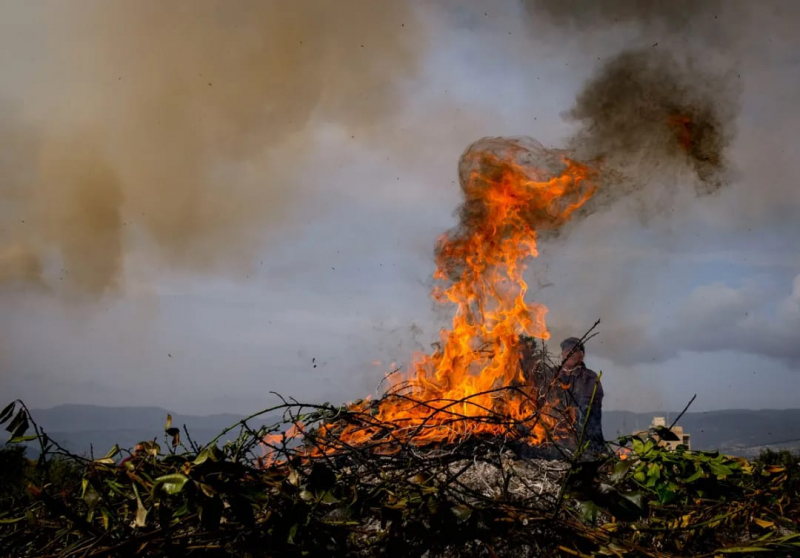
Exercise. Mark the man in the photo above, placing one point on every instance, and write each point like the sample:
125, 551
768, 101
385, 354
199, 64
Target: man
579, 384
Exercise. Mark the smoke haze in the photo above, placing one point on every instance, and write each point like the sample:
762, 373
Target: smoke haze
125, 171
161, 119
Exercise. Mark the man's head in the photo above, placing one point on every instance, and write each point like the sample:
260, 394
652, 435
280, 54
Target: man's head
572, 352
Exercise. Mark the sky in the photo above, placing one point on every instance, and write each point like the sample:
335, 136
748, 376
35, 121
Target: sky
205, 202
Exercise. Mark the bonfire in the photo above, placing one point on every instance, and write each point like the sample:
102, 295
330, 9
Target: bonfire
486, 378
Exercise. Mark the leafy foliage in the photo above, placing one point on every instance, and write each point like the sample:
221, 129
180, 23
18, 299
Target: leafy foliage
178, 500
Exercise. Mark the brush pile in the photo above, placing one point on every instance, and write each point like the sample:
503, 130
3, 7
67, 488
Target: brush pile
473, 498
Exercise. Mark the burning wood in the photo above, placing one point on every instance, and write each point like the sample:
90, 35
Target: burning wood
482, 380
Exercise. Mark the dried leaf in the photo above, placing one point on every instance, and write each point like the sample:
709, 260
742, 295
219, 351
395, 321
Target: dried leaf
763, 523
141, 514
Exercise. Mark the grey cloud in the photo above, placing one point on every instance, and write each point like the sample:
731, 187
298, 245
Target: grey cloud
718, 317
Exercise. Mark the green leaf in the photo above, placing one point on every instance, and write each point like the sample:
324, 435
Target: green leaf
329, 498
696, 475
665, 495
91, 497
719, 469
20, 439
589, 510
638, 446
113, 451
22, 427
7, 411
635, 497
306, 495
207, 490
620, 470
461, 512
666, 434
18, 419
170, 484
212, 453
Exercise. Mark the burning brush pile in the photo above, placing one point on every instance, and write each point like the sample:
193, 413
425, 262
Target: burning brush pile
486, 379
647, 125
477, 450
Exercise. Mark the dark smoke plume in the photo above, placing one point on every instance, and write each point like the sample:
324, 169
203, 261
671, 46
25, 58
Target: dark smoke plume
647, 121
650, 116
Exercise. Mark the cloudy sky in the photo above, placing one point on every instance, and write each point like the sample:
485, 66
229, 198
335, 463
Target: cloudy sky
203, 202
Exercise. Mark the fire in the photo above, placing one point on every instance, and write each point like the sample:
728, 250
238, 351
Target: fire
514, 189
480, 268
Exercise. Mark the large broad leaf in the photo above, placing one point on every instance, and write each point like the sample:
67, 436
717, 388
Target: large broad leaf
21, 428
461, 512
666, 434
627, 506
170, 484
620, 470
18, 421
719, 469
589, 510
91, 497
698, 474
21, 439
7, 411
666, 494
210, 453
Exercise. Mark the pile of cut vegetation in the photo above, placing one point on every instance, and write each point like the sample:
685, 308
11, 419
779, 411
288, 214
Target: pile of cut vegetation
474, 498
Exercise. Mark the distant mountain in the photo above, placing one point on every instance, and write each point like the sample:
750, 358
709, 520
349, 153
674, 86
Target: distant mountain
85, 428
81, 428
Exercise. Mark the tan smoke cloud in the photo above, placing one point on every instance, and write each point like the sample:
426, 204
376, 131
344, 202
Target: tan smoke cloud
169, 117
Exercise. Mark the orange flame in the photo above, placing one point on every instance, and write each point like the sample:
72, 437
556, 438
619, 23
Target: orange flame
452, 392
482, 265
